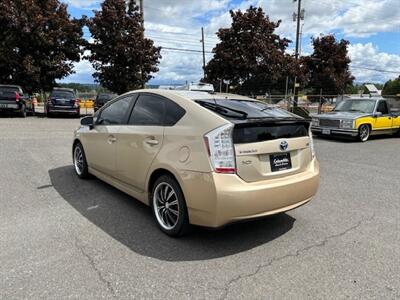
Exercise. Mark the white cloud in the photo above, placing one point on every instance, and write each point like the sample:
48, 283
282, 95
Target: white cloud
83, 71
177, 23
366, 57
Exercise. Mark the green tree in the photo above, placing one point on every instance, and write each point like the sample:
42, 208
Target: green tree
122, 57
328, 66
250, 56
392, 87
38, 43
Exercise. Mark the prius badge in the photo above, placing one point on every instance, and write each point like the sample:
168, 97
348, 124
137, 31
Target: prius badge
284, 145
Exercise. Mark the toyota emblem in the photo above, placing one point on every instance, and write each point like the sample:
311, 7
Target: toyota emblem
284, 145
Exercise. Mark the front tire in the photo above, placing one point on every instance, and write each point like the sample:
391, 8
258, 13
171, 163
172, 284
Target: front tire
169, 206
363, 133
80, 163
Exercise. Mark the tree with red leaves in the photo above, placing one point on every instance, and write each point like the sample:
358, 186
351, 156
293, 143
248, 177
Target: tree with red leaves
122, 57
39, 42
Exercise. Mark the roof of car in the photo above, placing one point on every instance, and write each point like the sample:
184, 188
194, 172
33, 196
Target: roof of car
196, 95
107, 94
63, 89
365, 98
10, 85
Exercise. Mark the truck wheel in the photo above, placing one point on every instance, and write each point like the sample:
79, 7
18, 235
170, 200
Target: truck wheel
22, 113
364, 132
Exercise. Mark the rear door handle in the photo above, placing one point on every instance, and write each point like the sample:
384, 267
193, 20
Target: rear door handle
111, 139
152, 142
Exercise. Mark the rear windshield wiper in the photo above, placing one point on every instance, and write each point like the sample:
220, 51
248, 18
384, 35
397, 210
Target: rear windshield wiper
223, 109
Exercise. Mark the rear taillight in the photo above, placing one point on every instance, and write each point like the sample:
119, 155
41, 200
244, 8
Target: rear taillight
220, 149
17, 97
312, 147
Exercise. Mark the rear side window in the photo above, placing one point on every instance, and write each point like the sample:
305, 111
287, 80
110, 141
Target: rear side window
267, 132
152, 110
115, 113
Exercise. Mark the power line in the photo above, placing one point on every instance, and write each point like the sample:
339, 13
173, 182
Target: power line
376, 70
185, 50
154, 37
182, 33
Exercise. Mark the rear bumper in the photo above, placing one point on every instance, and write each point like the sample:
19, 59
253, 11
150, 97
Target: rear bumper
10, 106
214, 200
63, 109
334, 131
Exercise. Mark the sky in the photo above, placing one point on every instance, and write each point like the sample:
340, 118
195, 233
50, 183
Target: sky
372, 27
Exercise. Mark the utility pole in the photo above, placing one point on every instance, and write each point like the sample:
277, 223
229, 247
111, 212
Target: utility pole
142, 23
204, 52
297, 17
141, 12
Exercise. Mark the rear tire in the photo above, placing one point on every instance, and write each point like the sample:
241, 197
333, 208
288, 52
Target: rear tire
169, 206
364, 132
22, 113
80, 162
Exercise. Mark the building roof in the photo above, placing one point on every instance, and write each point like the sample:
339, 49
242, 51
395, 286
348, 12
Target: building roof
372, 89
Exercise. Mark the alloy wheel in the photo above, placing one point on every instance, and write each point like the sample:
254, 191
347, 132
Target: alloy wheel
78, 160
364, 133
166, 205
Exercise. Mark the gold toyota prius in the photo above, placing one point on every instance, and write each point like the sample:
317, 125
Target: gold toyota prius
199, 158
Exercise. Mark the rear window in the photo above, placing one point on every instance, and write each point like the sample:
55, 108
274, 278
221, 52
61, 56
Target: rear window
245, 109
105, 98
63, 94
253, 133
8, 89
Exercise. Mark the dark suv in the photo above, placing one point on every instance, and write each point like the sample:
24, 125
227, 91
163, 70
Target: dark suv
63, 101
13, 99
102, 99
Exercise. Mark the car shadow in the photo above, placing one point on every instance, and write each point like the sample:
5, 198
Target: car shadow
131, 223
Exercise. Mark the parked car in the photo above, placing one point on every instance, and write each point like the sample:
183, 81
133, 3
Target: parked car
101, 99
199, 158
359, 118
13, 99
63, 101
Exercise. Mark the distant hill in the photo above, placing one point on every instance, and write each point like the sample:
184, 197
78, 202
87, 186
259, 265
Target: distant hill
83, 87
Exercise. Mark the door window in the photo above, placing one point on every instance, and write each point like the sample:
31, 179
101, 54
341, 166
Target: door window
152, 110
382, 108
115, 113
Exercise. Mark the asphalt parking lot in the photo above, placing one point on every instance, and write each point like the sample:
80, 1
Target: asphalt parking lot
61, 237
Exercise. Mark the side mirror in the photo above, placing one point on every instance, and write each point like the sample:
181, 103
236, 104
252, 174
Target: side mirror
377, 114
87, 121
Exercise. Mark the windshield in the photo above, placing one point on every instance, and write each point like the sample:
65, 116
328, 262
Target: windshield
358, 105
62, 94
247, 109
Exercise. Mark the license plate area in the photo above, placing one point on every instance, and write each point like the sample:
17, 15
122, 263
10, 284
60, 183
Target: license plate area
8, 106
280, 161
326, 131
